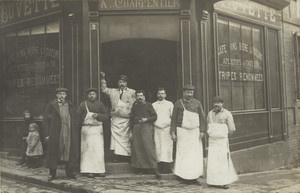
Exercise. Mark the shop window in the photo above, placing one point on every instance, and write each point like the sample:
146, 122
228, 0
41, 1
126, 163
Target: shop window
241, 65
30, 66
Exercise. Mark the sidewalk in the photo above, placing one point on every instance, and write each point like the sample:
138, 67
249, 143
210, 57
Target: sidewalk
277, 181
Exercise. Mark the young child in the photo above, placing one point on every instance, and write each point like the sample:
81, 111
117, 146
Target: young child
34, 146
28, 119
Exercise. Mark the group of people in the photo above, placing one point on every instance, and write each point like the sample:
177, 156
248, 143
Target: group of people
141, 133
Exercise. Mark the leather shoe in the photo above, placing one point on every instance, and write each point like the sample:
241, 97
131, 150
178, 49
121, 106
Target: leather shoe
100, 175
157, 173
225, 187
91, 176
50, 178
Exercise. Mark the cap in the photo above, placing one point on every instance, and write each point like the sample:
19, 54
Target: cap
123, 77
188, 87
218, 99
91, 90
61, 89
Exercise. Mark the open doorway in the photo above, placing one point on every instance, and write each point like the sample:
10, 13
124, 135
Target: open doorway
148, 63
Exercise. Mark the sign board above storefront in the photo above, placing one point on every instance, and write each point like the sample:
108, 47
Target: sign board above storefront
14, 11
250, 11
138, 4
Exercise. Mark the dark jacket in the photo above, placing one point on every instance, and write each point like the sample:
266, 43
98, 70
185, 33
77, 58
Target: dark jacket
52, 128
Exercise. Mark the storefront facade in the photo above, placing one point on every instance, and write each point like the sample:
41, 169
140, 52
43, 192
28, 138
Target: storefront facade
229, 48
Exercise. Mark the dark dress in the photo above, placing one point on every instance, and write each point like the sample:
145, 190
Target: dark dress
52, 125
143, 153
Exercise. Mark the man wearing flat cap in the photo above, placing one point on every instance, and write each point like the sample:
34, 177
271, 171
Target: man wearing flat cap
91, 114
188, 125
220, 169
61, 131
122, 99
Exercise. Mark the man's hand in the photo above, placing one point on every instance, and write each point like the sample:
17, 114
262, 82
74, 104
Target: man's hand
143, 120
95, 115
47, 138
130, 136
201, 135
174, 137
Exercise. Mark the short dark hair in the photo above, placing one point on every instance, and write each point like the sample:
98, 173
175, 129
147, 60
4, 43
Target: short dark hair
140, 91
218, 99
161, 88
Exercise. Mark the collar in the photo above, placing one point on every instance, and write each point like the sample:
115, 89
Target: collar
222, 110
61, 102
123, 89
186, 101
158, 101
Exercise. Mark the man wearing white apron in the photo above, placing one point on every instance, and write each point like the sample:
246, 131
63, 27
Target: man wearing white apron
187, 129
122, 99
162, 137
220, 169
92, 113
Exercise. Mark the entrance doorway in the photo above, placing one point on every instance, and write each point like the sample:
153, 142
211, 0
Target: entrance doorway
148, 63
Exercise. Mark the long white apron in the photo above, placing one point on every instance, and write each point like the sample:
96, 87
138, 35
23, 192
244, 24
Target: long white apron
92, 145
162, 138
189, 152
220, 169
120, 142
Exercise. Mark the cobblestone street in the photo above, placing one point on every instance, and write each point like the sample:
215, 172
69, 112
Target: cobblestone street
276, 181
8, 185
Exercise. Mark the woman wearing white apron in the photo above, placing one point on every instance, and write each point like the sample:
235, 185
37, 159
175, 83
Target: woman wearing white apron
220, 169
92, 113
189, 121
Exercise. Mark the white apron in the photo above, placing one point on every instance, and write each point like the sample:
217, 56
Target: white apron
189, 152
220, 169
92, 146
120, 142
162, 138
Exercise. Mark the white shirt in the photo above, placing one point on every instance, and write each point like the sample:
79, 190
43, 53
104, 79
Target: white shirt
163, 108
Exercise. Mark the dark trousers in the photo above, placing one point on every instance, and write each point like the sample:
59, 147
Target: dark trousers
68, 170
23, 150
165, 167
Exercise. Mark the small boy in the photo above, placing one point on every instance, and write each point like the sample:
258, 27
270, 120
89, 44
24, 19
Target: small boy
28, 119
34, 146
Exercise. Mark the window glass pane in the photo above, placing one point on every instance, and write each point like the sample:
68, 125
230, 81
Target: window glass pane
38, 30
274, 68
52, 27
258, 68
248, 68
24, 32
224, 62
236, 65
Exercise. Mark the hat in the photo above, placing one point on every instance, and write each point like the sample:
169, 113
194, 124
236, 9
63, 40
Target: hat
61, 89
218, 99
123, 77
91, 90
188, 87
